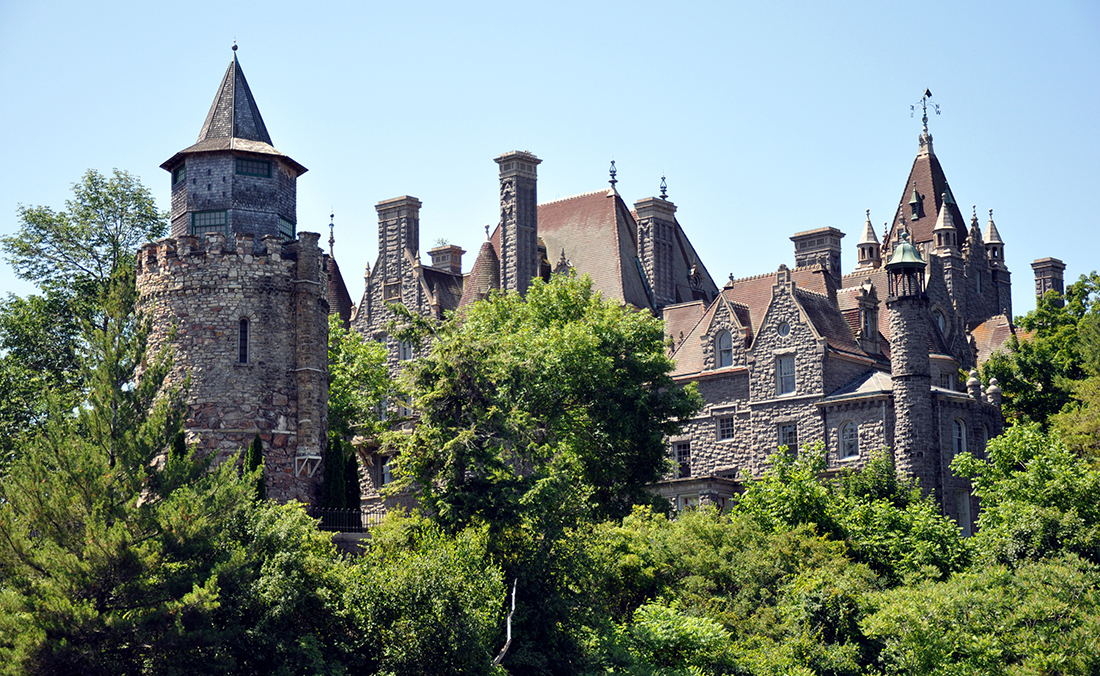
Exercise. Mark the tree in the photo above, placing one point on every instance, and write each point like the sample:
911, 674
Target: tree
333, 490
358, 382
253, 466
521, 392
115, 559
72, 256
1037, 373
105, 222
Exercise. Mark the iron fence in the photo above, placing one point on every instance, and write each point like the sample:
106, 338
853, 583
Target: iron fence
349, 520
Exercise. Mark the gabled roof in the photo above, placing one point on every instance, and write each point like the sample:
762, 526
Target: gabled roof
755, 293
444, 285
931, 183
827, 318
599, 237
233, 123
688, 354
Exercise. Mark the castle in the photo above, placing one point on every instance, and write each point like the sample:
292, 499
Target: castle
857, 361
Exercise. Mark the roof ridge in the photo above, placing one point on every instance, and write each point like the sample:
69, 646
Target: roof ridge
751, 278
573, 197
799, 289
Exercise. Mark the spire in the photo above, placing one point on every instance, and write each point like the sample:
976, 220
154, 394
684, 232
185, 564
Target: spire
331, 234
234, 113
868, 232
991, 234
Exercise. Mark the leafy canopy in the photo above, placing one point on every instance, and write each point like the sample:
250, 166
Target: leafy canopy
524, 391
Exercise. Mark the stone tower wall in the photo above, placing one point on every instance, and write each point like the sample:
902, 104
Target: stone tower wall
254, 203
656, 243
911, 374
200, 290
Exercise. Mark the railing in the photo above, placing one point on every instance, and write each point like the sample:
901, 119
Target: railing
350, 520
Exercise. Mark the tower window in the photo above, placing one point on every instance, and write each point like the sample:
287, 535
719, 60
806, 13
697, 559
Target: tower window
179, 174
725, 349
286, 229
253, 168
849, 440
203, 222
242, 342
784, 374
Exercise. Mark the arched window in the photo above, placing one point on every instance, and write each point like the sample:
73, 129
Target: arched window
725, 350
849, 440
242, 341
405, 350
959, 442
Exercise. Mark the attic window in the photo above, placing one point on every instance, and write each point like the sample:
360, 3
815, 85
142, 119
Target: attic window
179, 174
253, 168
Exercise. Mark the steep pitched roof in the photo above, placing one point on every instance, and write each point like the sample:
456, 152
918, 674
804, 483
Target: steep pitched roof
444, 285
680, 319
829, 321
688, 354
485, 275
599, 237
338, 297
991, 336
931, 183
234, 122
755, 293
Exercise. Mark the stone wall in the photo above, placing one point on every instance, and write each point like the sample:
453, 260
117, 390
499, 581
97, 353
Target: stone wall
197, 293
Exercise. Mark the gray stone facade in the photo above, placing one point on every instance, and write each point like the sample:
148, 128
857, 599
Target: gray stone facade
249, 334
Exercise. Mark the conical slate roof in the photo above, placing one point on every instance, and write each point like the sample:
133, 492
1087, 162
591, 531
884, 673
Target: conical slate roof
233, 123
234, 113
991, 234
869, 236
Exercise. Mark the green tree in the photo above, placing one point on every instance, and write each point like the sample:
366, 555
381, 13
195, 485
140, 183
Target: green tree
333, 489
521, 392
1038, 498
358, 382
253, 466
71, 255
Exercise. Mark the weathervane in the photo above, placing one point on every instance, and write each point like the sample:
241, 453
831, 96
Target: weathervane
924, 103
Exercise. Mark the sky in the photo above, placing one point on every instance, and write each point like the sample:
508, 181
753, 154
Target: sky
766, 118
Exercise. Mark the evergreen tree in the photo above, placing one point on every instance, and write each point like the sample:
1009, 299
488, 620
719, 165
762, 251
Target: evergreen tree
253, 464
352, 493
333, 490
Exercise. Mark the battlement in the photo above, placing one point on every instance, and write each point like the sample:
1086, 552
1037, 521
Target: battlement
159, 256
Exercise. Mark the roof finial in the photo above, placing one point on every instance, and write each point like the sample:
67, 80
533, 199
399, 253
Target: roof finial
613, 181
664, 188
868, 212
234, 46
923, 103
486, 232
331, 234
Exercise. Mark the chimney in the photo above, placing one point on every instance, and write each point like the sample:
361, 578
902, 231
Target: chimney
821, 245
656, 238
1048, 276
447, 257
519, 231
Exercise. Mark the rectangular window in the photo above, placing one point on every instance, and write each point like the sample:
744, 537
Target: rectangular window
788, 436
179, 174
203, 222
685, 502
242, 342
286, 229
683, 459
784, 374
387, 471
253, 168
946, 381
725, 428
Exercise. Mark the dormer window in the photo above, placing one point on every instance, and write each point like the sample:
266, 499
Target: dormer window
253, 168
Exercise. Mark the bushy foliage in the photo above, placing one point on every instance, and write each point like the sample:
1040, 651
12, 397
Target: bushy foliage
1038, 498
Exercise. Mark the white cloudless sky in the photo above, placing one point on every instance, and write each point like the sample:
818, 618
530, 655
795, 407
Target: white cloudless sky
766, 118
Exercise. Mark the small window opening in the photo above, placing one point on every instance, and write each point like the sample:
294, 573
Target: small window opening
179, 174
788, 437
242, 342
959, 445
725, 428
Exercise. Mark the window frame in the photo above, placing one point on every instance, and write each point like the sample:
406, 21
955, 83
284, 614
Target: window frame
179, 175
848, 440
725, 427
723, 354
958, 437
785, 381
246, 166
784, 433
681, 455
209, 227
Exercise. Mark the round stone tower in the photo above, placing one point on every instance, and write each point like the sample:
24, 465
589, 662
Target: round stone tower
243, 298
907, 304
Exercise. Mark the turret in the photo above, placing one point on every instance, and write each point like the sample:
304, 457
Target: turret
233, 180
910, 364
869, 250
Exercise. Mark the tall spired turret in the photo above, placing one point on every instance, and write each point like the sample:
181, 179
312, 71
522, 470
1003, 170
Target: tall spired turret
233, 180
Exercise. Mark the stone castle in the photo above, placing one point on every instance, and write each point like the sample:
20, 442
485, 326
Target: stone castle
804, 354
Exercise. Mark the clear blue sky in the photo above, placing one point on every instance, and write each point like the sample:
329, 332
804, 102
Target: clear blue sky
767, 118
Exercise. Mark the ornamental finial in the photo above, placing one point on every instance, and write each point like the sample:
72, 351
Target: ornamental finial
612, 171
924, 102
